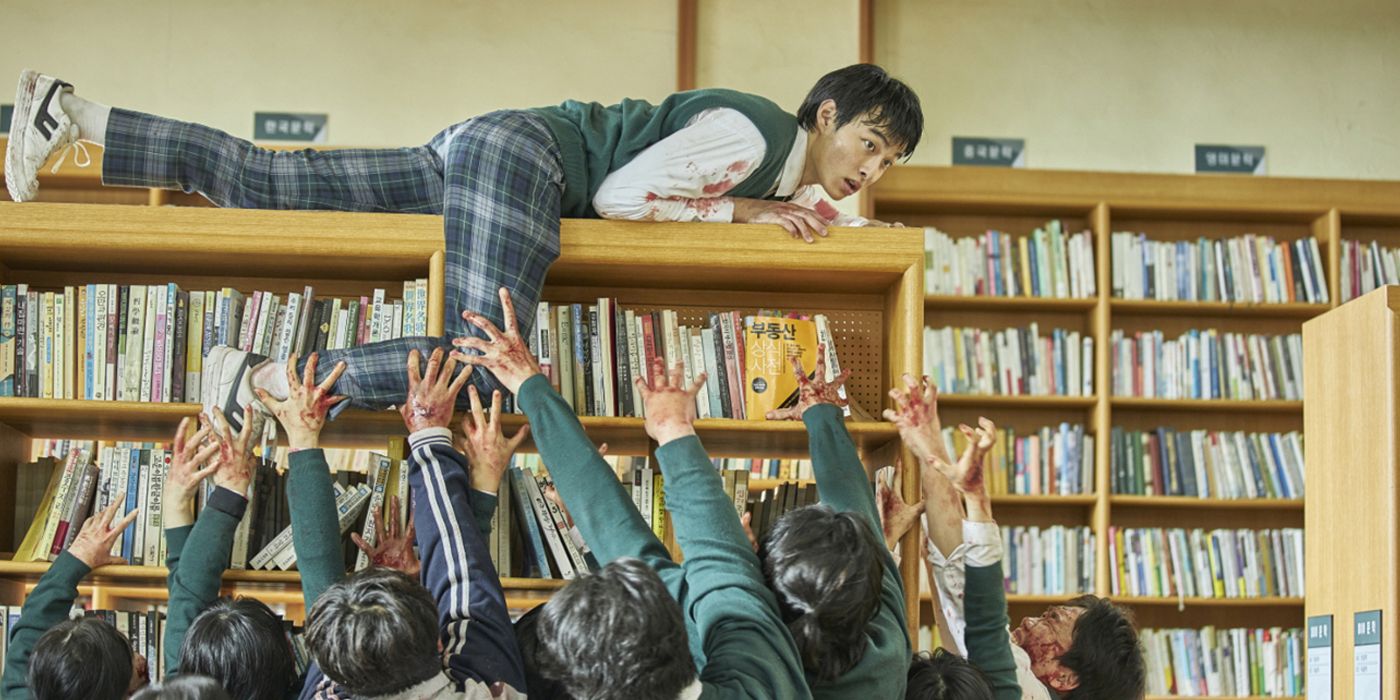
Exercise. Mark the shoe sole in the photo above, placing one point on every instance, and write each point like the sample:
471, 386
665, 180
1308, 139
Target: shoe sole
14, 151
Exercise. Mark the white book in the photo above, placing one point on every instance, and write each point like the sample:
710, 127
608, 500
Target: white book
547, 526
376, 316
697, 356
396, 321
53, 346
286, 334
155, 490
97, 332
154, 294
421, 306
266, 304
72, 355
120, 464
302, 331
405, 325
634, 358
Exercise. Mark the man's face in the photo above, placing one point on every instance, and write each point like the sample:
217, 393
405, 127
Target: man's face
850, 157
1045, 639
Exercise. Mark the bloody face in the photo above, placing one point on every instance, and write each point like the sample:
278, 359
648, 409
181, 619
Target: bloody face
1045, 639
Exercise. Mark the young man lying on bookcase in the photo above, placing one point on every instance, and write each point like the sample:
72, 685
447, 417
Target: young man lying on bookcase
502, 181
1086, 648
735, 634
52, 657
839, 589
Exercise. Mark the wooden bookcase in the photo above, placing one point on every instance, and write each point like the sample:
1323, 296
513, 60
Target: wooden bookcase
968, 201
867, 281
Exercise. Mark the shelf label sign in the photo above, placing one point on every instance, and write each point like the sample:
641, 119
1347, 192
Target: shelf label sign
997, 153
290, 126
1367, 656
7, 113
1215, 158
1320, 657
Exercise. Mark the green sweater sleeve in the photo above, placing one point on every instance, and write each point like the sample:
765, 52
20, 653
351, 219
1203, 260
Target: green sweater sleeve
748, 650
988, 642
842, 481
45, 607
174, 545
602, 511
315, 524
196, 575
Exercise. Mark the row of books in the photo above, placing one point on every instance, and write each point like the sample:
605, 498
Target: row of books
1250, 269
1050, 262
767, 467
1052, 460
1207, 364
1213, 662
1013, 361
1055, 560
1366, 266
1207, 463
593, 353
145, 630
1196, 563
110, 342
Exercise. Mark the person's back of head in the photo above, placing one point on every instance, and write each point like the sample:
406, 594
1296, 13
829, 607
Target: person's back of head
825, 568
184, 687
615, 635
85, 658
240, 642
867, 92
945, 676
375, 633
1105, 653
537, 686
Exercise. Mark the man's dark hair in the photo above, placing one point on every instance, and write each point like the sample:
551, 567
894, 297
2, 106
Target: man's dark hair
375, 633
825, 568
184, 687
1105, 653
865, 91
945, 676
615, 635
85, 658
240, 642
537, 687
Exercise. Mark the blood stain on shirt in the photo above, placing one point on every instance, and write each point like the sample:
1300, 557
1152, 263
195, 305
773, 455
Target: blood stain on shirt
719, 187
740, 166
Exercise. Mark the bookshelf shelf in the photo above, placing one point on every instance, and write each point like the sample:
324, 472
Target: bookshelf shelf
1145, 502
1135, 307
1212, 602
1008, 304
1016, 402
1132, 403
1052, 500
1222, 697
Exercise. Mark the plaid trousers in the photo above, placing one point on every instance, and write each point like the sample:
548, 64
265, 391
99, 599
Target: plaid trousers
497, 180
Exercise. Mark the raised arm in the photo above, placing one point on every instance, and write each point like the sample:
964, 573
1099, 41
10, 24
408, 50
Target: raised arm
602, 511
478, 640
921, 432
488, 454
310, 495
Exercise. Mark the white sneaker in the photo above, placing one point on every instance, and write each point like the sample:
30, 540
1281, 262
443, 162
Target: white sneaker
39, 128
226, 384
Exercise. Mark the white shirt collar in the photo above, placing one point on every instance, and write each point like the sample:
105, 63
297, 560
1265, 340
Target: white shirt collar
792, 168
692, 691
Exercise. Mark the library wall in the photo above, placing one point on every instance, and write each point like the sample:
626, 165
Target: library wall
387, 78
1132, 85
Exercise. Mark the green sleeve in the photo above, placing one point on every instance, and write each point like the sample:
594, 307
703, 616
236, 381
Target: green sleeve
46, 606
842, 481
194, 583
483, 509
988, 642
175, 544
315, 524
726, 601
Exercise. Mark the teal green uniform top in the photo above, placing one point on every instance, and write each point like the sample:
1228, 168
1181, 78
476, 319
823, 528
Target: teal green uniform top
596, 139
843, 484
47, 605
988, 642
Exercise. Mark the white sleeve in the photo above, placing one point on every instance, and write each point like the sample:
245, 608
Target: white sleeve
684, 176
814, 197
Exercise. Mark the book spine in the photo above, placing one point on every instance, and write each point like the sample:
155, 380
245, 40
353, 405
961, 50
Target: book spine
154, 310
194, 341
7, 340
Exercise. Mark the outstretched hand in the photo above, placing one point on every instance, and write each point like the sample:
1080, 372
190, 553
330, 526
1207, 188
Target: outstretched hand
812, 390
669, 406
432, 396
487, 448
896, 516
917, 419
967, 473
185, 476
392, 548
303, 413
234, 466
504, 353
93, 544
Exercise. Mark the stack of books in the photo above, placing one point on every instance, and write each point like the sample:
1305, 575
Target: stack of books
1212, 662
1208, 364
1053, 460
1248, 269
1196, 563
1055, 560
767, 467
1010, 362
1207, 463
110, 342
1048, 263
1366, 267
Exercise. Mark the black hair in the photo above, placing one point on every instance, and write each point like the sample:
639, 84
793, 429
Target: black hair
375, 633
615, 635
945, 676
240, 642
537, 687
1105, 653
865, 91
184, 687
83, 658
826, 570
